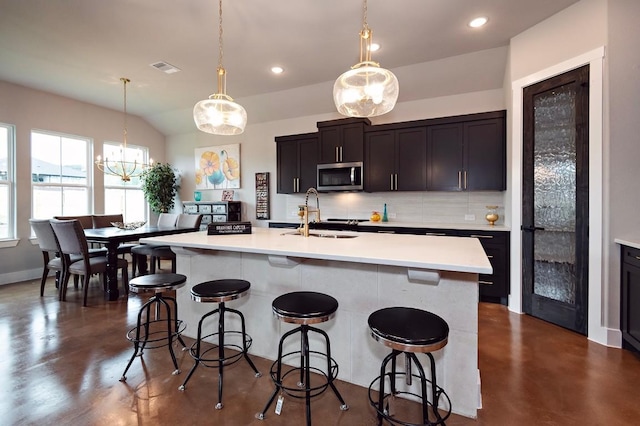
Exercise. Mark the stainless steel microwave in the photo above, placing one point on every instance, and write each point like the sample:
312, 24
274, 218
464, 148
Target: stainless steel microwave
340, 177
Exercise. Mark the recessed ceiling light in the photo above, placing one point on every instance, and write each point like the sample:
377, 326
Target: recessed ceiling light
374, 47
277, 70
478, 22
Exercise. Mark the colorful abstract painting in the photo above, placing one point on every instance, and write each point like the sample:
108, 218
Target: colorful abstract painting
218, 167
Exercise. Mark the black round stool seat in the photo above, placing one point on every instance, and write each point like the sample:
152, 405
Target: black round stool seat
219, 290
157, 282
409, 329
305, 307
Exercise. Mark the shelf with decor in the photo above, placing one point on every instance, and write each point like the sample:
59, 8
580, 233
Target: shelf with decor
214, 211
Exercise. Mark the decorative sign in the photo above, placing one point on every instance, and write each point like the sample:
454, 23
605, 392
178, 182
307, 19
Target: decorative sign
262, 195
227, 195
218, 167
227, 228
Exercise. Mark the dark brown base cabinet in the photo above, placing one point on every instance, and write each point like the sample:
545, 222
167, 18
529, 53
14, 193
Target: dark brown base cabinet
297, 158
495, 287
630, 298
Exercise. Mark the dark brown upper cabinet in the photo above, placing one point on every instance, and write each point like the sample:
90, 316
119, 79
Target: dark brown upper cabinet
467, 155
297, 158
396, 160
342, 141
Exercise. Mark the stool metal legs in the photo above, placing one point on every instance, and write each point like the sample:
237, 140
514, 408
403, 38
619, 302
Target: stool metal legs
304, 385
384, 411
174, 328
200, 357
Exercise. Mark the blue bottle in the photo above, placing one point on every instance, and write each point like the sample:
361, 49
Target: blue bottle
384, 214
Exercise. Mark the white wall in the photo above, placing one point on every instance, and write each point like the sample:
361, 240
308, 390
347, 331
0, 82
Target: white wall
29, 109
258, 154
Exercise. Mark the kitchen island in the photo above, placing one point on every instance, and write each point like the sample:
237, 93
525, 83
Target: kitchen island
364, 272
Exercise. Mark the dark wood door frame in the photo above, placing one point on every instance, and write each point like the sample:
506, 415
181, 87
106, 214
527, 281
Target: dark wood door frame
569, 316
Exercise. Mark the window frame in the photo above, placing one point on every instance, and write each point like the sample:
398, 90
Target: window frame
88, 185
11, 239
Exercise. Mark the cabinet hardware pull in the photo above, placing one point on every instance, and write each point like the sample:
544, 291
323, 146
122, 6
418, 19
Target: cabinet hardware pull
337, 155
459, 179
391, 181
341, 154
485, 282
465, 179
396, 186
481, 236
489, 257
386, 232
436, 234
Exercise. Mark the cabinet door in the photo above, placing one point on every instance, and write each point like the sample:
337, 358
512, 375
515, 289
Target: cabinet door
630, 298
287, 166
308, 163
445, 157
379, 165
411, 159
343, 143
485, 157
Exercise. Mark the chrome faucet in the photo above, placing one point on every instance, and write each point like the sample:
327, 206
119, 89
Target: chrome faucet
306, 210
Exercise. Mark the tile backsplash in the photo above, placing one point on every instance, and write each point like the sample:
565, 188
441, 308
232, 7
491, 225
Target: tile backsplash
421, 207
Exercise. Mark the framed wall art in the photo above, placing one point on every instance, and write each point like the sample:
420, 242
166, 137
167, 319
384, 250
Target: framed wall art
218, 167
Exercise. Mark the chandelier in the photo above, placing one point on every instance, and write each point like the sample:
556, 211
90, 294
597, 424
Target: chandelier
120, 166
366, 90
219, 114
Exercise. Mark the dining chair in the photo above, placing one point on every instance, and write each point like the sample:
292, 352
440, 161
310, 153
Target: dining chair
72, 242
47, 242
142, 251
157, 253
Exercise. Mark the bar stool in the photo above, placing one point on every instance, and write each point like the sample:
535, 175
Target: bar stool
304, 308
220, 292
409, 331
149, 333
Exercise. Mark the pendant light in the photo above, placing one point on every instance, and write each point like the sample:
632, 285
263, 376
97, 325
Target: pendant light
120, 166
219, 114
366, 90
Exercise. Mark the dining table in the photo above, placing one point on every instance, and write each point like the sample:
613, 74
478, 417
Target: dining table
111, 237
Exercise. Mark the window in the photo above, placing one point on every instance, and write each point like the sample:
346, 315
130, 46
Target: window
7, 193
60, 178
125, 197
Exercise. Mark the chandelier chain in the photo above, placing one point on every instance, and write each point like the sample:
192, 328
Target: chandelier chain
124, 131
364, 22
220, 51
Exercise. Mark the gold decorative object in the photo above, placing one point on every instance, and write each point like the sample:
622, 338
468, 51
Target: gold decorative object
128, 225
121, 166
492, 215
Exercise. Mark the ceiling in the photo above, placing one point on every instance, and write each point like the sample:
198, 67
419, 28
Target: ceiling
81, 48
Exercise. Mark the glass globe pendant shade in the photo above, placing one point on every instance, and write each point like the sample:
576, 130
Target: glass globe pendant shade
366, 90
219, 115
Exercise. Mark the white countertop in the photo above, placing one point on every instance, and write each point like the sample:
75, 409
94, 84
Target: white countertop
631, 240
413, 251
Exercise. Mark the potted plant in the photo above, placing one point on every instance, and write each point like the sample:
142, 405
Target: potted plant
160, 185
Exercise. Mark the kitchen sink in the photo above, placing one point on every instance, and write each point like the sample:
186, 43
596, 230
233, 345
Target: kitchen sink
322, 235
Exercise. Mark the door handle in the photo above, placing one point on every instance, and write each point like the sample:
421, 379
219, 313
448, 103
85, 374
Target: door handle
531, 228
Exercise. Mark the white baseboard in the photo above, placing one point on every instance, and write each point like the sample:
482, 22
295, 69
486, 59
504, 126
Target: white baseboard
19, 276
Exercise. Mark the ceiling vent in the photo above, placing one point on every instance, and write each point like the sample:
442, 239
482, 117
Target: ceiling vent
165, 67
